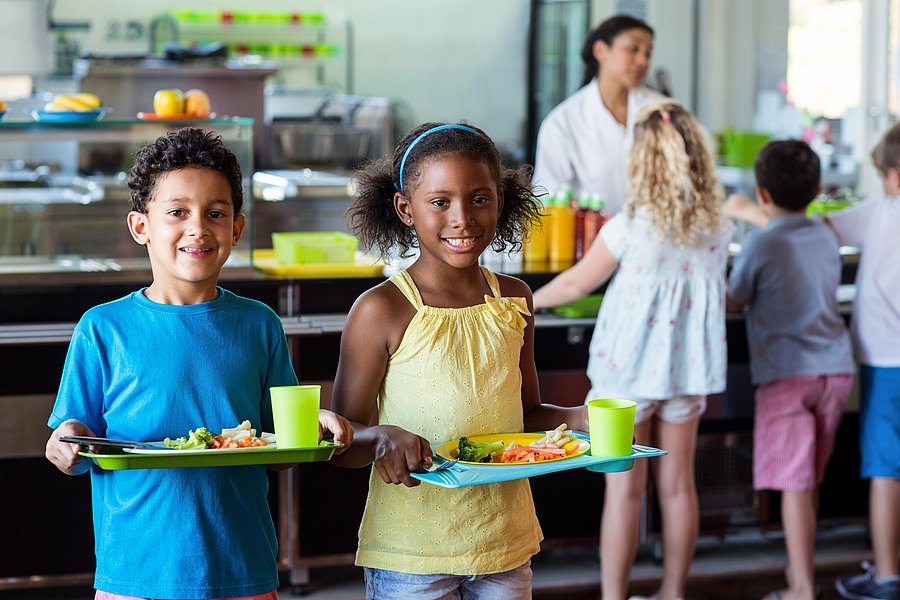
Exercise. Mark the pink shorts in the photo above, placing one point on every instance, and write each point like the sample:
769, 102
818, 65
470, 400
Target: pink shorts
796, 421
107, 596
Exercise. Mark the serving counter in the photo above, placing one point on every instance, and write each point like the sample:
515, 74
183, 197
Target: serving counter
318, 506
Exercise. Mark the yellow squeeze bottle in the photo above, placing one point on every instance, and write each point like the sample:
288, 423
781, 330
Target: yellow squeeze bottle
562, 231
535, 250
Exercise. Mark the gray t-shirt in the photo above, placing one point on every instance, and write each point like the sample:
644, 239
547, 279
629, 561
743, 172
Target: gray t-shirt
788, 275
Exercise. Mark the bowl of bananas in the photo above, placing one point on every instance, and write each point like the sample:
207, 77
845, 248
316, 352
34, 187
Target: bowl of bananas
82, 107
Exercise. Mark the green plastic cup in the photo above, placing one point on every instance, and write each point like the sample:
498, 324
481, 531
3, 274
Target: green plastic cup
295, 410
611, 423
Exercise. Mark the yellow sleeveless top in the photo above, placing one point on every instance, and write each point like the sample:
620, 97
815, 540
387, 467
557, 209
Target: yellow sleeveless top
455, 373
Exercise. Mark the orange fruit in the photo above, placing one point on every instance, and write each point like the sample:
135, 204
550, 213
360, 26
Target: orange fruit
196, 104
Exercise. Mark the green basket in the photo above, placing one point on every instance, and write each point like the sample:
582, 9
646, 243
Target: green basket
824, 207
741, 147
588, 306
314, 247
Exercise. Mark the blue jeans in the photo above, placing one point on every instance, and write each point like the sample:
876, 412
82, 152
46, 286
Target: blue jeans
393, 585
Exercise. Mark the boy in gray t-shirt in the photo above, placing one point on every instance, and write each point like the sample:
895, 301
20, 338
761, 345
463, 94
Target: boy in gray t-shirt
787, 275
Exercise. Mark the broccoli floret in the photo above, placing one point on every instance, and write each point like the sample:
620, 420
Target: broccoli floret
470, 451
198, 438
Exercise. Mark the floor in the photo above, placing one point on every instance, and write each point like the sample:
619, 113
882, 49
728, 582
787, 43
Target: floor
746, 565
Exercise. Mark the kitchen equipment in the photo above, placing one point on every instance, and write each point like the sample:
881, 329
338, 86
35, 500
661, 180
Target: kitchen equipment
317, 128
323, 139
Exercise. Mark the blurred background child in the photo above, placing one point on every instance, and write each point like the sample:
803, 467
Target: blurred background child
872, 226
800, 356
660, 333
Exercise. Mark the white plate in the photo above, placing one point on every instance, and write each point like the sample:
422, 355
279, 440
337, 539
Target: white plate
161, 449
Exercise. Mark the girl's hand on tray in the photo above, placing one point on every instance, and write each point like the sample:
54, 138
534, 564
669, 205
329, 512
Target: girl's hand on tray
398, 452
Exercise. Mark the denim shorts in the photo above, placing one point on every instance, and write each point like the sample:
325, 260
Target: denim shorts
879, 421
107, 596
393, 585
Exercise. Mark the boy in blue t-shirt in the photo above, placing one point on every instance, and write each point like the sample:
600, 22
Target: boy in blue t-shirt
177, 355
800, 353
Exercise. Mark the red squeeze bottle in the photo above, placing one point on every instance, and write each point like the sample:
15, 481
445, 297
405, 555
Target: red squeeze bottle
594, 219
580, 216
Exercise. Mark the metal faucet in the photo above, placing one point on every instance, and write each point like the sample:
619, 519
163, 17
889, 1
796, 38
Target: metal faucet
164, 19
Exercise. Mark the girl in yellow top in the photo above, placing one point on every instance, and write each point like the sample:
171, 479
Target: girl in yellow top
442, 350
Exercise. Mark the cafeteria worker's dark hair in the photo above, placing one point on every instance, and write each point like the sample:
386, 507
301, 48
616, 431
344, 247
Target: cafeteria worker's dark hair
187, 148
606, 32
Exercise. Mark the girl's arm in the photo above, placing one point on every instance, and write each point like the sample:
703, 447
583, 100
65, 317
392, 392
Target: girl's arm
744, 209
374, 328
732, 305
579, 280
538, 417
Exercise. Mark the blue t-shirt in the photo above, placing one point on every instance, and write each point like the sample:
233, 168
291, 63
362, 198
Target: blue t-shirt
788, 275
146, 371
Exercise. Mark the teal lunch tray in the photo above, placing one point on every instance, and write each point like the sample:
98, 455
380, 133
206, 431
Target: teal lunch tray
462, 475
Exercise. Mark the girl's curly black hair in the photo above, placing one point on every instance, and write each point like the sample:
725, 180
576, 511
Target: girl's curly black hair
371, 215
187, 148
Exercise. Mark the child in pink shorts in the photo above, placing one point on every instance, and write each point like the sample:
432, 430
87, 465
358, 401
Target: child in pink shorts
801, 359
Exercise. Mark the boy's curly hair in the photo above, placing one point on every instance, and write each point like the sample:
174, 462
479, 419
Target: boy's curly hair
371, 215
672, 173
187, 148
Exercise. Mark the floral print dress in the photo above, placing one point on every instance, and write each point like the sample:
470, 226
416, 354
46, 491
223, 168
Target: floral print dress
660, 332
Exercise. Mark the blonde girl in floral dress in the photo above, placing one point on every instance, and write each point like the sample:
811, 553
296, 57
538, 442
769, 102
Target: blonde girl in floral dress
660, 334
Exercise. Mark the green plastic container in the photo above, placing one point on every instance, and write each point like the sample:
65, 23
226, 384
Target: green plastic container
825, 206
588, 306
741, 147
314, 247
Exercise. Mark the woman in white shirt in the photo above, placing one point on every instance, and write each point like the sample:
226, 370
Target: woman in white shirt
583, 143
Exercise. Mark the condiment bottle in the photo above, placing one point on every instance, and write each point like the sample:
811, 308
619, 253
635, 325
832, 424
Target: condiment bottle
562, 231
583, 207
536, 245
593, 220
